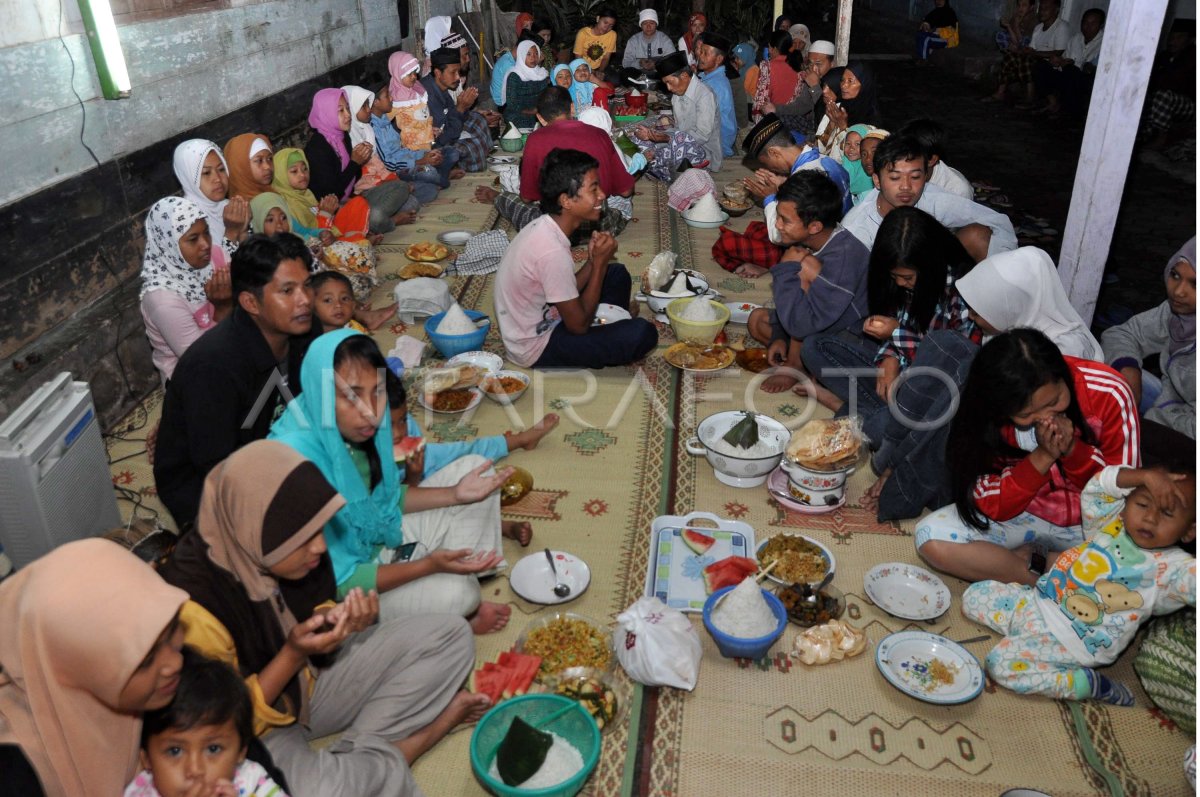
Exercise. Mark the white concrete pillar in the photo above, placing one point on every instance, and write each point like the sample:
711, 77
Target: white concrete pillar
845, 10
1130, 40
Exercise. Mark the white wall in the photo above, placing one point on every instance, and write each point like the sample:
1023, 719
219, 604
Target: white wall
185, 70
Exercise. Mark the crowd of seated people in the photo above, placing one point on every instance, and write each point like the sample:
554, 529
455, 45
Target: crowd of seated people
320, 587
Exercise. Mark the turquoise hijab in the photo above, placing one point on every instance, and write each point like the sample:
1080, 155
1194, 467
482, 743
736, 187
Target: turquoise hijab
581, 93
370, 518
860, 181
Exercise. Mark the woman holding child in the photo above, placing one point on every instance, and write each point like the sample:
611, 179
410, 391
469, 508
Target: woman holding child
90, 641
453, 517
263, 601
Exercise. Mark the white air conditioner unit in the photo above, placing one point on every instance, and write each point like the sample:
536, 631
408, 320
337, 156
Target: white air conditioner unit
55, 484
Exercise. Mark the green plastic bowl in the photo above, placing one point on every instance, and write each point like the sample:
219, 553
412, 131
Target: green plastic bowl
512, 144
576, 726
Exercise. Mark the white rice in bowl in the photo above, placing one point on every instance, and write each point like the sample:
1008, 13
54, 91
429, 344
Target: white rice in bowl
744, 612
700, 310
456, 322
562, 762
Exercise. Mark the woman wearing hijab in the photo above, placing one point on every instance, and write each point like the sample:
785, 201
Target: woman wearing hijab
851, 97
523, 85
251, 165
90, 641
262, 601
1021, 288
182, 296
336, 165
852, 160
1169, 331
581, 89
801, 38
453, 517
743, 87
697, 23
203, 174
270, 213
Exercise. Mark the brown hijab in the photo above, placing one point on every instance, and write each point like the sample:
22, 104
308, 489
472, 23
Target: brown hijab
259, 506
76, 625
237, 160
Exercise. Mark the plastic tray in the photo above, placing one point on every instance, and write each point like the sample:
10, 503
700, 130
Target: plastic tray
674, 573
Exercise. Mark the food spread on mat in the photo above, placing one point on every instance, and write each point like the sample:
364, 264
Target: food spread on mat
825, 445
705, 209
453, 377
744, 612
452, 400
568, 642
728, 572
456, 322
593, 694
832, 641
531, 759
413, 270
509, 676
795, 559
502, 384
427, 251
806, 607
700, 310
696, 357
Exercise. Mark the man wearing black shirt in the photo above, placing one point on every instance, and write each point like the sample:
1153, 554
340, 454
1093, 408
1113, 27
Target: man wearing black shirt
232, 383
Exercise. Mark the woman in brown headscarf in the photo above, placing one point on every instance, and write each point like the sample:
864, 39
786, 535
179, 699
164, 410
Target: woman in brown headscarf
262, 600
251, 161
90, 639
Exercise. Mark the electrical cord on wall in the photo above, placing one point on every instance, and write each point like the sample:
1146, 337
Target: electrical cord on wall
129, 393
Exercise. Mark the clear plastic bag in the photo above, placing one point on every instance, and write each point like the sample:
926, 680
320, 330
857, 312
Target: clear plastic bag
657, 645
826, 445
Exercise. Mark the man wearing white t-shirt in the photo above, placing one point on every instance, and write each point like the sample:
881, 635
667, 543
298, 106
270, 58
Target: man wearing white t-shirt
1049, 40
545, 308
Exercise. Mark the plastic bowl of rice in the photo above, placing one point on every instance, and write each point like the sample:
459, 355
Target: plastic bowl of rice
744, 618
574, 728
697, 319
450, 345
740, 467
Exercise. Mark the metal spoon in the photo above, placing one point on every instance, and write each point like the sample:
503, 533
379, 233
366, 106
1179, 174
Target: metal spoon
561, 590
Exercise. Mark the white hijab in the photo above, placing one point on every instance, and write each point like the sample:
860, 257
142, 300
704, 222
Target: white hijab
1021, 288
359, 131
436, 29
163, 266
527, 73
189, 161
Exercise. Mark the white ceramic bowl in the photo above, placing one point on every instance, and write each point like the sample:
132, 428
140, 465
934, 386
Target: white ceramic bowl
658, 300
734, 470
480, 359
500, 397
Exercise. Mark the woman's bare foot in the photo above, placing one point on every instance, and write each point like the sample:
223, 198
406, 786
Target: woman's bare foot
485, 194
405, 217
489, 617
457, 174
464, 708
870, 499
529, 438
777, 383
374, 319
518, 530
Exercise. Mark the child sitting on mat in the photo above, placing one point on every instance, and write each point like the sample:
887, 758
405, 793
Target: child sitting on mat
1087, 608
198, 743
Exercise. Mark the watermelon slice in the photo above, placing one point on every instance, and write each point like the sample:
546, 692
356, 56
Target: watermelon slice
728, 572
407, 447
697, 541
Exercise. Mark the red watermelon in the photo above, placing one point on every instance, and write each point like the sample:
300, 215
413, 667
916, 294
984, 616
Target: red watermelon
407, 446
697, 541
728, 572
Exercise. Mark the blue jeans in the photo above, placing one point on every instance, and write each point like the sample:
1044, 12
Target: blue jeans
927, 41
619, 343
827, 356
434, 175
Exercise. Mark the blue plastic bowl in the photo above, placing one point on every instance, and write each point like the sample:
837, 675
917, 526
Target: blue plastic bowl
576, 726
450, 345
735, 647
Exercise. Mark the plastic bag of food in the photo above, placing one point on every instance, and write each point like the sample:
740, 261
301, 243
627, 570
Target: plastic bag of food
657, 645
825, 445
659, 271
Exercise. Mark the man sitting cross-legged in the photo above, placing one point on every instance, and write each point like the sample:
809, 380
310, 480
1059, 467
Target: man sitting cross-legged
821, 283
544, 307
558, 130
901, 180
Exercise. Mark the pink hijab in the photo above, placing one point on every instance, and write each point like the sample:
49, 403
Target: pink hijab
324, 119
401, 64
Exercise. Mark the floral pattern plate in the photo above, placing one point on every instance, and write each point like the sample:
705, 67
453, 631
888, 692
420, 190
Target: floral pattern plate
907, 591
912, 661
678, 572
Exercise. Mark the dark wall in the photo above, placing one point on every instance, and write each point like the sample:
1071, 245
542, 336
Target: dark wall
69, 284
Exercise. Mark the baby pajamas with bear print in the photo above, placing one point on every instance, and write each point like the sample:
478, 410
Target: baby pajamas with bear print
1086, 609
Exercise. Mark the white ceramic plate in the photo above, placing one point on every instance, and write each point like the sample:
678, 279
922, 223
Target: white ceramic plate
907, 591
532, 580
827, 555
454, 237
476, 397
905, 657
501, 159
608, 313
707, 225
739, 312
480, 359
777, 486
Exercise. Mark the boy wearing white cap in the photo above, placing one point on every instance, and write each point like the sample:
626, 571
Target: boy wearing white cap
644, 51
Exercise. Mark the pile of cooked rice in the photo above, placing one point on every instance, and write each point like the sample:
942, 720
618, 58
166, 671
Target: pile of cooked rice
744, 612
700, 310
